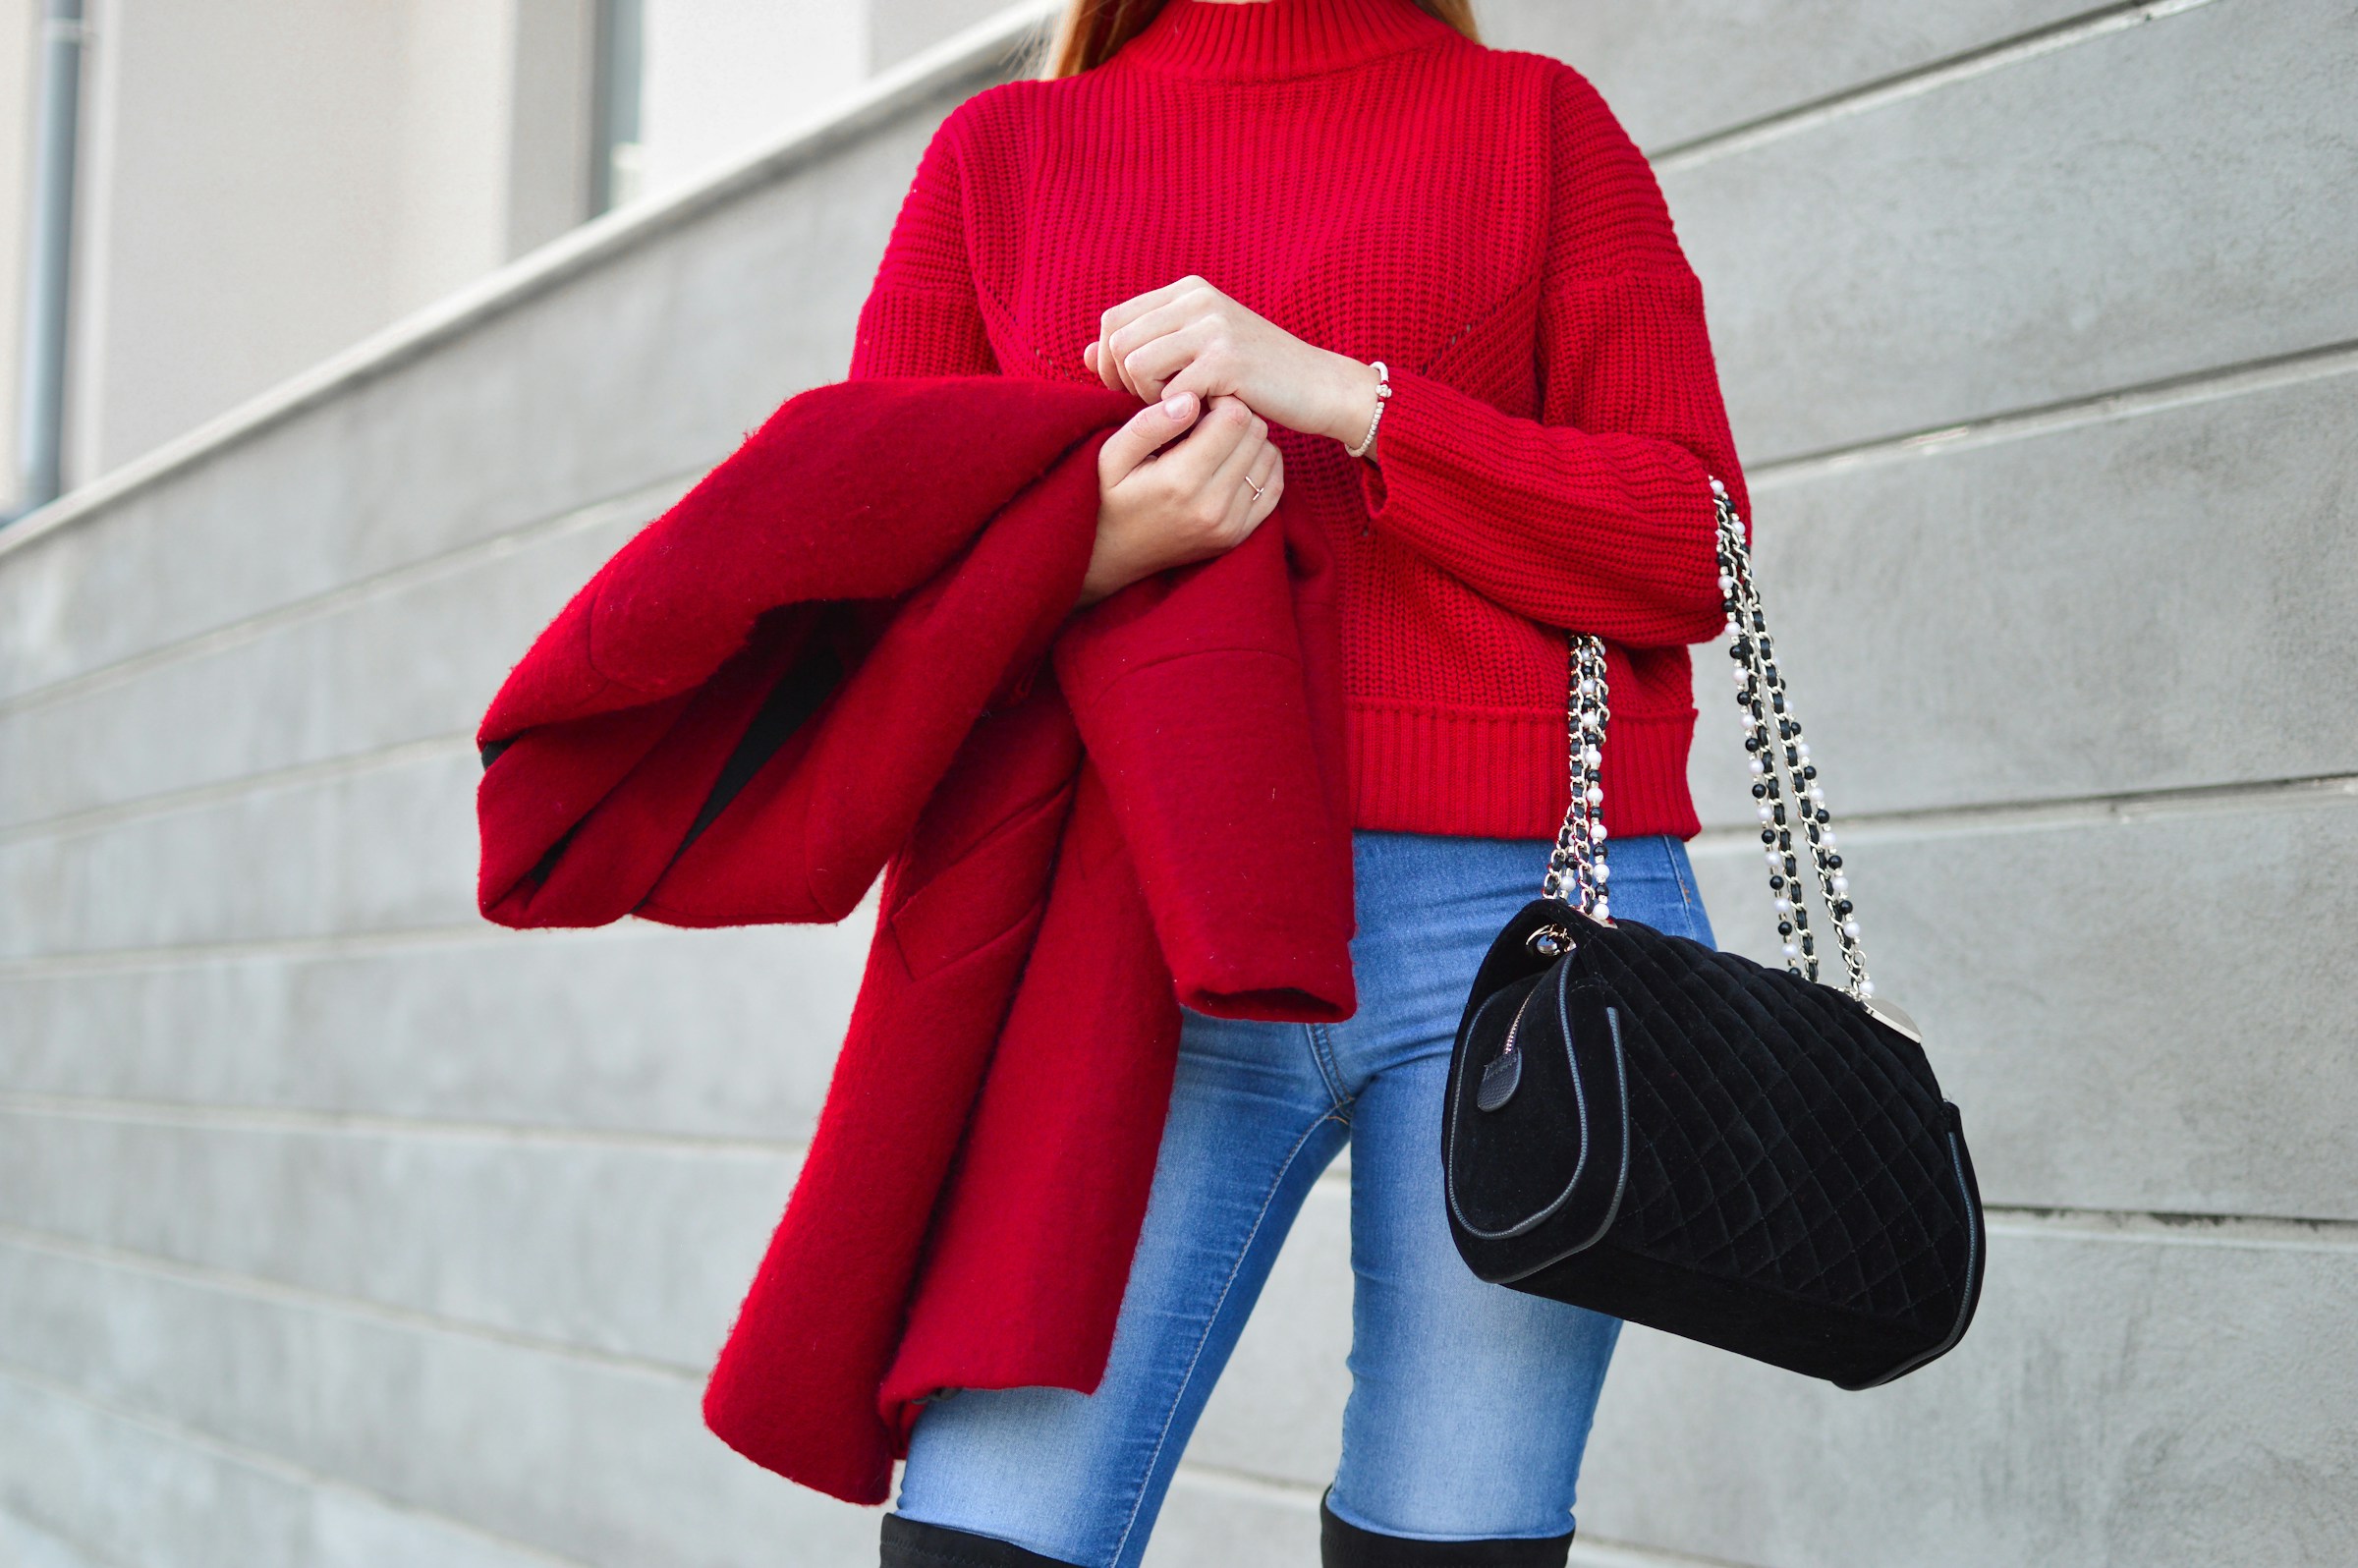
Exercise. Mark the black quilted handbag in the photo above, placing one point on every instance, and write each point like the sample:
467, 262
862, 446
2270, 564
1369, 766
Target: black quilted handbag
1744, 1156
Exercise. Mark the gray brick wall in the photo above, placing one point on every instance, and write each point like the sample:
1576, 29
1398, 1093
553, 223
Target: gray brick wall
339, 1230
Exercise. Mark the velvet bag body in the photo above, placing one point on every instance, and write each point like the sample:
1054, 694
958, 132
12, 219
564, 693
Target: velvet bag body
1711, 1148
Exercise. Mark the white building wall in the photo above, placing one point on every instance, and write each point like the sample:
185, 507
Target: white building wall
724, 76
340, 1228
252, 246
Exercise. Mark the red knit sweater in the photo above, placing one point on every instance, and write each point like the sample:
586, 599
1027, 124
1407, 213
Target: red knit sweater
1372, 182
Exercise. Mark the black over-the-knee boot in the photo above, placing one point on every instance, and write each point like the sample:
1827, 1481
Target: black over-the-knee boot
1343, 1545
914, 1544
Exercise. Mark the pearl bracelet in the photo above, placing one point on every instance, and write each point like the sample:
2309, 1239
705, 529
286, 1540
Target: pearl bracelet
1383, 389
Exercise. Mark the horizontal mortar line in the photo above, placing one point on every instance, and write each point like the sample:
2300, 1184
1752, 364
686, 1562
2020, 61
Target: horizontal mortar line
1250, 1482
352, 944
2176, 1228
256, 1287
345, 944
1875, 827
1229, 1478
195, 797
2210, 384
180, 955
350, 593
267, 1463
306, 1120
1914, 82
2070, 810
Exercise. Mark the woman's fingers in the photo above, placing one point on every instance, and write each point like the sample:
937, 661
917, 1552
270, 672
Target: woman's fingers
1145, 434
1159, 366
1185, 472
1140, 318
1227, 496
1118, 317
1269, 472
1167, 498
1142, 347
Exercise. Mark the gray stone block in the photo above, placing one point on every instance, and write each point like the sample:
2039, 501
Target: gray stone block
382, 848
2066, 225
634, 1027
607, 1465
2155, 601
111, 1493
1674, 71
2145, 1010
412, 657
593, 1243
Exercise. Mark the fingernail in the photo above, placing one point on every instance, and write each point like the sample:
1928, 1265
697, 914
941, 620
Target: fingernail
1176, 405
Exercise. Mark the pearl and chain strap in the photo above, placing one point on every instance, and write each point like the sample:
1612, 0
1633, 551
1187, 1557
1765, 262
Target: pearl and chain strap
1578, 861
1784, 779
1784, 782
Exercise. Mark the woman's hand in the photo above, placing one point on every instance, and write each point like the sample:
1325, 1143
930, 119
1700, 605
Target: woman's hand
1190, 336
1164, 502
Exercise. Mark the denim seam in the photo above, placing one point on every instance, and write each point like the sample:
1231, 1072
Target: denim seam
1322, 1054
1162, 1438
1686, 894
1690, 901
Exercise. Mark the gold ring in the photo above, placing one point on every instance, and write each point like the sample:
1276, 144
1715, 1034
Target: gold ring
1257, 490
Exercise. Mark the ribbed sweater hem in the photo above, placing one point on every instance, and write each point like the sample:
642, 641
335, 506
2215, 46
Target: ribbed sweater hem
1504, 772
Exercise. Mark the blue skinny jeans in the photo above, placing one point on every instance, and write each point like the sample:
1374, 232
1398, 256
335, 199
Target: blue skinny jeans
1470, 1403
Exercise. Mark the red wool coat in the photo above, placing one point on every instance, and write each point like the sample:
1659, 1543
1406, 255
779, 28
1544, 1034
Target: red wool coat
847, 651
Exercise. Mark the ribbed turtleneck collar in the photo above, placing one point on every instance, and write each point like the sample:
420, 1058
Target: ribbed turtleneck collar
1246, 38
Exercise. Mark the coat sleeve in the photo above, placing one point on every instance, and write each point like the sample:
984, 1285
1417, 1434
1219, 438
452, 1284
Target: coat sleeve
922, 316
1596, 515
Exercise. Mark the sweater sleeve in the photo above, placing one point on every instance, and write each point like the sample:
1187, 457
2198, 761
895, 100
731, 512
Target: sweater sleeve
1596, 515
923, 315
